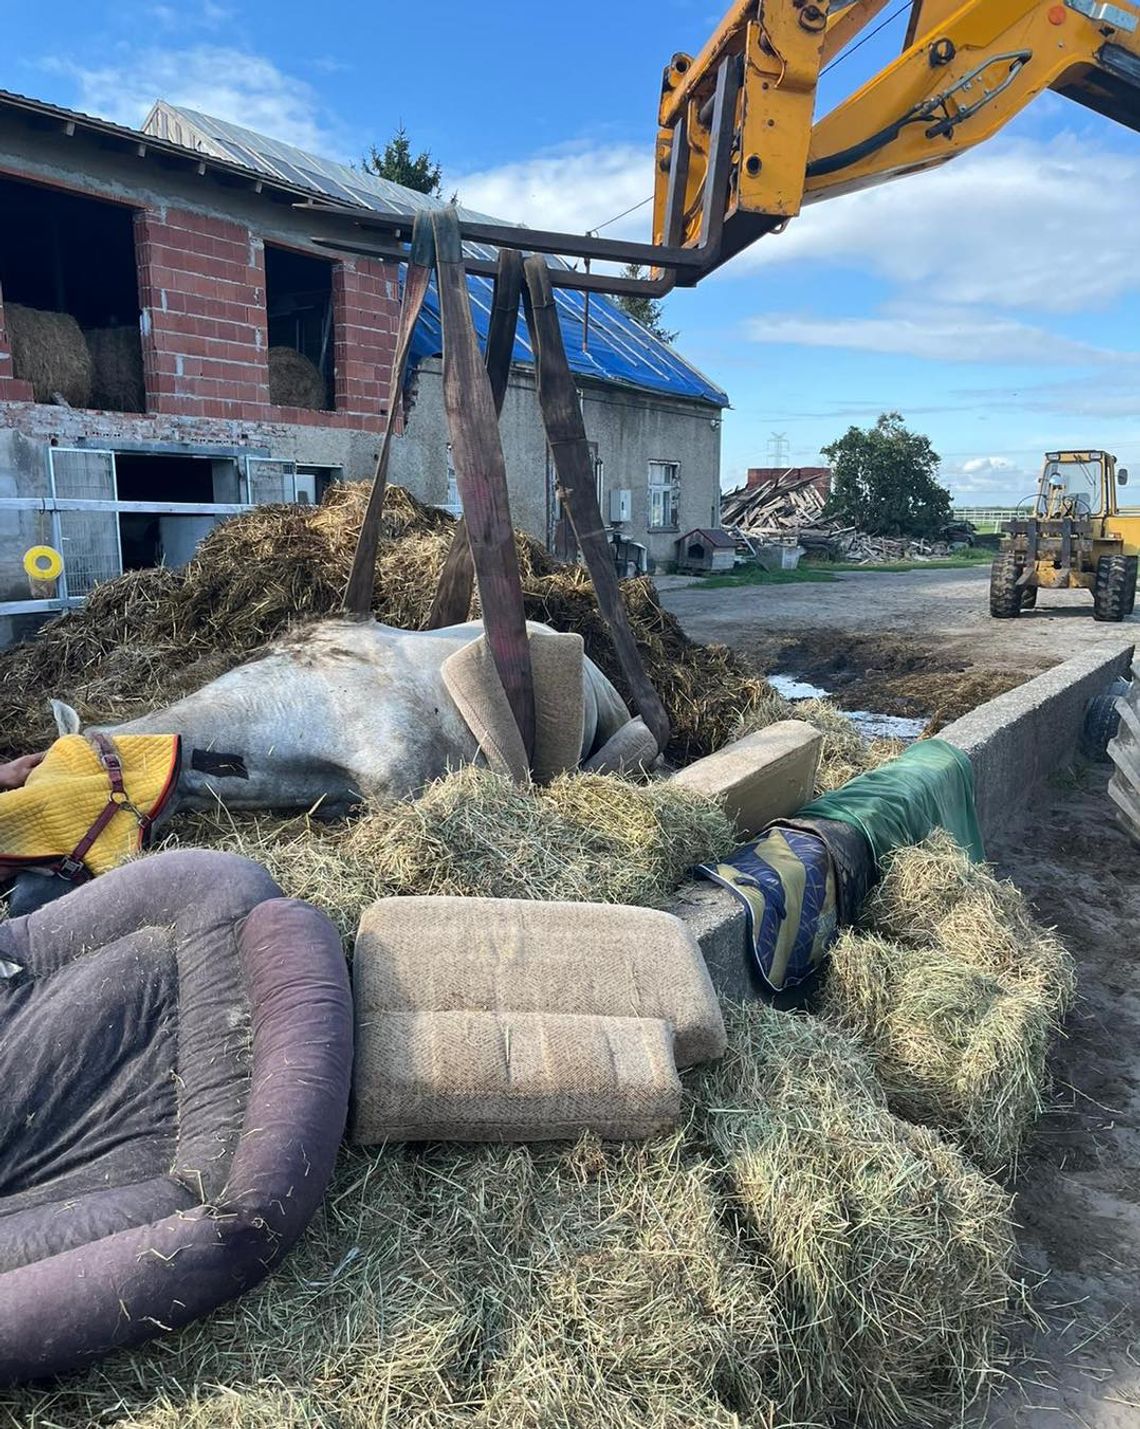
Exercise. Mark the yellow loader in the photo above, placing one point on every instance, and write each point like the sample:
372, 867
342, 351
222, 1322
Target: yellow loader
1076, 538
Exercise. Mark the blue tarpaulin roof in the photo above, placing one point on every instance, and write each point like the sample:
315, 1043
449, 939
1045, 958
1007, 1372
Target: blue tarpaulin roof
618, 349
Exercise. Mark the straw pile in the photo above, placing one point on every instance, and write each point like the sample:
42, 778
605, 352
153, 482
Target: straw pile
793, 1254
583, 838
294, 381
956, 993
50, 351
117, 369
258, 574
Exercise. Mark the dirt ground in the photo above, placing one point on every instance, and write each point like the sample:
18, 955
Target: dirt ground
916, 643
1078, 1192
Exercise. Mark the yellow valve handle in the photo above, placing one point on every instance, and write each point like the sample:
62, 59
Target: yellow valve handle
43, 563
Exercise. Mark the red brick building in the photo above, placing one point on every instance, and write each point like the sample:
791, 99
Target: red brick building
766, 475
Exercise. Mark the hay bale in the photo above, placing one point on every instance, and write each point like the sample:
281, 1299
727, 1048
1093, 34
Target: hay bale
602, 1286
294, 381
117, 369
932, 895
889, 1253
953, 1048
50, 351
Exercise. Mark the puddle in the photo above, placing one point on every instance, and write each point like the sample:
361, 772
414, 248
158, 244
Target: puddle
870, 725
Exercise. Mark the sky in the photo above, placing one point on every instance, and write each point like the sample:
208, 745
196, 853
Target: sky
994, 302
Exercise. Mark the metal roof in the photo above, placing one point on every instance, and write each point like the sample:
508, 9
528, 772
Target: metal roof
618, 349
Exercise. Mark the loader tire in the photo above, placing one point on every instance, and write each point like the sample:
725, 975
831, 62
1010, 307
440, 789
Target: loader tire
1028, 597
1124, 751
1110, 593
1005, 593
1130, 586
1102, 722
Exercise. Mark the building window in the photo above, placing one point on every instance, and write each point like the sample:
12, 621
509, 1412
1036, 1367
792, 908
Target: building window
299, 308
69, 279
664, 485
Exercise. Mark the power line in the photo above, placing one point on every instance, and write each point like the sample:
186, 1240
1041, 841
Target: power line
592, 232
870, 35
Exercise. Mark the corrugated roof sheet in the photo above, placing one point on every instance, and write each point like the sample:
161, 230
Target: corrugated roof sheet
619, 350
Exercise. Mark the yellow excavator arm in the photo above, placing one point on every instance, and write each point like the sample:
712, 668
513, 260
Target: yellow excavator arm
739, 151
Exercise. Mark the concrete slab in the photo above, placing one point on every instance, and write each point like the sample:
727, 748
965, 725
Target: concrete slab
1020, 738
1014, 743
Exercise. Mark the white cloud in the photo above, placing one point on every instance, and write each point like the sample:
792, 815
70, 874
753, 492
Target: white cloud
229, 83
942, 335
980, 466
571, 189
1018, 223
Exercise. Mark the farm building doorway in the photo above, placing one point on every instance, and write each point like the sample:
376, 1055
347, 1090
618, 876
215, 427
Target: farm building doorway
69, 276
299, 312
168, 537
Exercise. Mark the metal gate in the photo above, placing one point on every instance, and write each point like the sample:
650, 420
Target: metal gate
87, 539
267, 479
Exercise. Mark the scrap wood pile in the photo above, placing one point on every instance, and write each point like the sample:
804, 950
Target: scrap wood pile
794, 1253
790, 510
151, 636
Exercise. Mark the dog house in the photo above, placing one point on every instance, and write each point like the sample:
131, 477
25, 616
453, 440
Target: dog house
706, 551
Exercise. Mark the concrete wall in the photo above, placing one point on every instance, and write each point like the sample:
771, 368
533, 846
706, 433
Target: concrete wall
1014, 743
631, 429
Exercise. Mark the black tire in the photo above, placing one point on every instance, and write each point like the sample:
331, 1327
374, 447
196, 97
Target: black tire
1102, 720
1130, 587
1005, 593
1110, 593
1028, 597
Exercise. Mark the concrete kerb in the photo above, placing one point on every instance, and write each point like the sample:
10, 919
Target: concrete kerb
1014, 742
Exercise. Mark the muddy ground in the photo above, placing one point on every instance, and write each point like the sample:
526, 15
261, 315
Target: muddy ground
915, 643
922, 643
1078, 1191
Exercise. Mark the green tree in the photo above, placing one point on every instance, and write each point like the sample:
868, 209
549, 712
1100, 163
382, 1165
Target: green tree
885, 480
647, 311
396, 163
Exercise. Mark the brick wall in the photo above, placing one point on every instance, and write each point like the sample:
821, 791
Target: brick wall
204, 328
202, 294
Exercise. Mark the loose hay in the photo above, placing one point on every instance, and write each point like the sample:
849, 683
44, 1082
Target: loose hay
952, 1047
932, 894
889, 1254
49, 351
584, 837
956, 992
117, 369
257, 575
295, 381
791, 1255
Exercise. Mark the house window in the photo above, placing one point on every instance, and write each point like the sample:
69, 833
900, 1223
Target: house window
664, 483
299, 307
70, 283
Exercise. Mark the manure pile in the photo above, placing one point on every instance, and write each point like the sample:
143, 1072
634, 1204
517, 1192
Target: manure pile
793, 1255
150, 636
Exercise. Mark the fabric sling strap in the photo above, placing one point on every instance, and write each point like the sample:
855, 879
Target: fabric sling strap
72, 866
362, 579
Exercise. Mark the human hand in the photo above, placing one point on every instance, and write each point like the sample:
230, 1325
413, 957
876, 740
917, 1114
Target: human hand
14, 775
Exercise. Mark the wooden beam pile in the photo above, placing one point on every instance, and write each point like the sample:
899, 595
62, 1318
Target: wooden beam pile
790, 511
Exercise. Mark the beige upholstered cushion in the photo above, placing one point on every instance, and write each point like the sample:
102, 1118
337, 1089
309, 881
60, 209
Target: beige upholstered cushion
764, 776
503, 955
511, 1076
557, 667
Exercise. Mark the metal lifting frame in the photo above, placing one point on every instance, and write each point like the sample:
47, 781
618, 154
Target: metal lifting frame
739, 150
